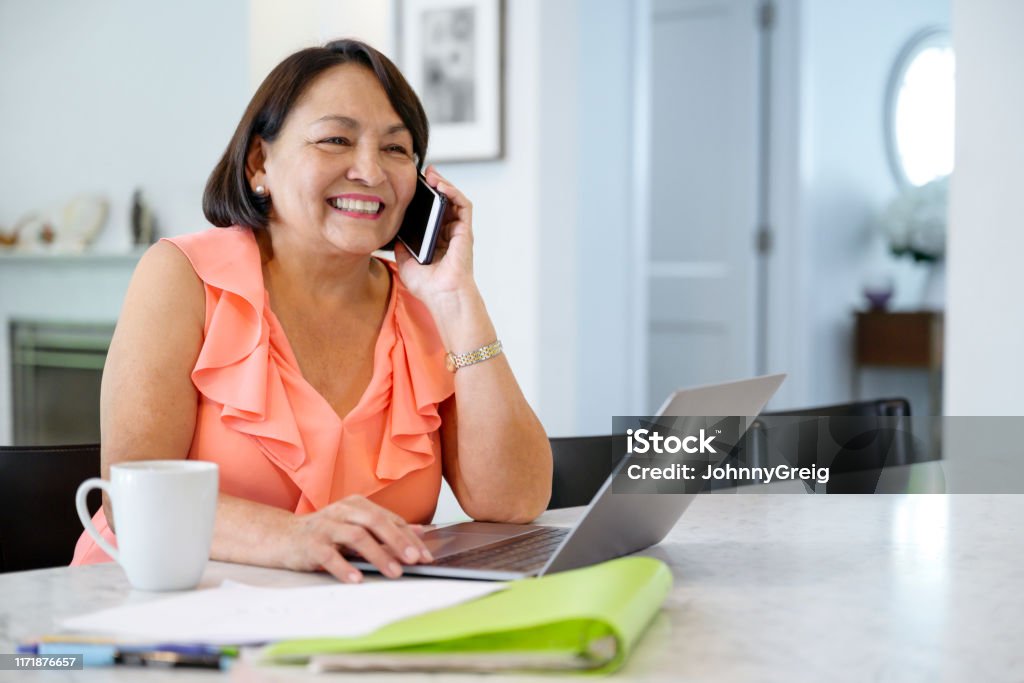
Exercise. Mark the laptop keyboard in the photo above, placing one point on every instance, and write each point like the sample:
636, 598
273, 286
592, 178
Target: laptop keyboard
524, 553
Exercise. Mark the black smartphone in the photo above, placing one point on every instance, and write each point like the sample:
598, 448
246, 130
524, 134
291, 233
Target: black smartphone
422, 221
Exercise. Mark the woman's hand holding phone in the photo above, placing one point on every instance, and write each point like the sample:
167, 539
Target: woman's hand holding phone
451, 270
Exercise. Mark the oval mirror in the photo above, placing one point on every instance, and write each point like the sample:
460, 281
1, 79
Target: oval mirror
919, 113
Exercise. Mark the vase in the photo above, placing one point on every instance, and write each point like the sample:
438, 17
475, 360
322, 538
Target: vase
933, 294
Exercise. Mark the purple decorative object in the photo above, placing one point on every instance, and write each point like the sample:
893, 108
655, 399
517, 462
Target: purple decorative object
878, 288
878, 300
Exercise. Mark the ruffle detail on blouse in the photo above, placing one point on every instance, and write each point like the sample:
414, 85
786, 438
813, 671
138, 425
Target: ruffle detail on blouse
233, 367
411, 349
247, 367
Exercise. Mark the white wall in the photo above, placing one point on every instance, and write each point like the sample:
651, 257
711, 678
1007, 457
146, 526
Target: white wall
558, 69
603, 236
105, 97
848, 50
277, 29
985, 326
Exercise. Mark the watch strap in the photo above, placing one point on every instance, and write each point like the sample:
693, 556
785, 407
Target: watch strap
461, 360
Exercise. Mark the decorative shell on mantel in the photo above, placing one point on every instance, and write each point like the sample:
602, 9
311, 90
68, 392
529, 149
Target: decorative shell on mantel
71, 228
82, 218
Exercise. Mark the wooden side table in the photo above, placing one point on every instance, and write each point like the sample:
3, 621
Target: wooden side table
901, 339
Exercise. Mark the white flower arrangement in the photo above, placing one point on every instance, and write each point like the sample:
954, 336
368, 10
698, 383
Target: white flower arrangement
915, 222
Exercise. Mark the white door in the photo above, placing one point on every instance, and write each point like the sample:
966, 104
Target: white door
698, 257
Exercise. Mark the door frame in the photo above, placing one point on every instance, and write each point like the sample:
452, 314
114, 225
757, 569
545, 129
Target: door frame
785, 335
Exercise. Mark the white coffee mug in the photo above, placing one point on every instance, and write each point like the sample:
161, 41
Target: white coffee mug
164, 512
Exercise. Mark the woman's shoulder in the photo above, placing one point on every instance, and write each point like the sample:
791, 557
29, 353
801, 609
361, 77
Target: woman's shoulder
164, 266
225, 258
164, 285
214, 244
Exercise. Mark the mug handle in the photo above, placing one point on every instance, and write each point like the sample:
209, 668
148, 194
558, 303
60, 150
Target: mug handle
83, 514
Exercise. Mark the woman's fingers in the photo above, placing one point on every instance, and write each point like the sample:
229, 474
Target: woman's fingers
461, 206
363, 542
415, 532
389, 529
378, 535
336, 565
459, 228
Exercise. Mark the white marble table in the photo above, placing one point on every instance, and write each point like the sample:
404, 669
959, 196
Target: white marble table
768, 588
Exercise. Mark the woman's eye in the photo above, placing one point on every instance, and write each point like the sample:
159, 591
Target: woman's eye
397, 149
336, 141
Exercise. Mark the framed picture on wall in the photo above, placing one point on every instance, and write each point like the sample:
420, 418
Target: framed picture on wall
452, 53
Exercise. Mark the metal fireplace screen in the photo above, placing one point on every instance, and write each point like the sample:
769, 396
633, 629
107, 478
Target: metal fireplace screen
56, 369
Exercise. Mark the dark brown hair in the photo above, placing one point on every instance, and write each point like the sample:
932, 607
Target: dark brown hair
228, 199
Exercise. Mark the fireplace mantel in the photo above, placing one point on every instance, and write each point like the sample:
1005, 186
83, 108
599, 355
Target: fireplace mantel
58, 259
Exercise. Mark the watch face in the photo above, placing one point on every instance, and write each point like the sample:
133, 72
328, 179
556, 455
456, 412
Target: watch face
449, 362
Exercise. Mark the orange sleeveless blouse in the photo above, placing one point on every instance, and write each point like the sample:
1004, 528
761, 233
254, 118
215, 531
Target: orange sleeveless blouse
279, 442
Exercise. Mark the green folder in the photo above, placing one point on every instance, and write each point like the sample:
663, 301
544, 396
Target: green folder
586, 619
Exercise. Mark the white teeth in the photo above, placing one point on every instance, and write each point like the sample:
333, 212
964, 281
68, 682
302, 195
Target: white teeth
356, 205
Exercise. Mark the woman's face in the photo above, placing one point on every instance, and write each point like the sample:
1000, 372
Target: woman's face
341, 172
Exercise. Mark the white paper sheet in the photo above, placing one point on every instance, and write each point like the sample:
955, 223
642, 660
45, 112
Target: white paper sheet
235, 613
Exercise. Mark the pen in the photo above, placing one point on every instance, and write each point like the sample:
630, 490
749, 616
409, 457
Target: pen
69, 640
166, 659
164, 655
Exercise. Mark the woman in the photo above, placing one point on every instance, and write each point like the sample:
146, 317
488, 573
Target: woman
313, 373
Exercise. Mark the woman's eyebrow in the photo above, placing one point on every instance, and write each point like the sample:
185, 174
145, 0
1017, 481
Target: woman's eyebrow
346, 121
350, 122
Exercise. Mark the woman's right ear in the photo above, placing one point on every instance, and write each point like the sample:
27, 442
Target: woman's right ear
255, 160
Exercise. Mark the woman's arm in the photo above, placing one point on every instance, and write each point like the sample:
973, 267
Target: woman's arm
148, 411
497, 457
147, 399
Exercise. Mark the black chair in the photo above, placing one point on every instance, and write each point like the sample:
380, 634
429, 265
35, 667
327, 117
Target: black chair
856, 441
581, 466
39, 525
881, 407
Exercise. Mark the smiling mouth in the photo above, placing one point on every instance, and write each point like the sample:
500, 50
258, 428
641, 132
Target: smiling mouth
359, 208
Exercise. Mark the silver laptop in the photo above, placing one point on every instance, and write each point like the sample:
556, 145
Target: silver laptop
614, 524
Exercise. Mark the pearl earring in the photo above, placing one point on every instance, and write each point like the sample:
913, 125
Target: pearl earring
260, 190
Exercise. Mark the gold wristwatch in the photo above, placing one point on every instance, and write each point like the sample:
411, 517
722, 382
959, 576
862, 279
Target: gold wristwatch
454, 361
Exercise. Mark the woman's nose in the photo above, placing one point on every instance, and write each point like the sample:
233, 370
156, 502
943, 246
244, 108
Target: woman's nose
366, 166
